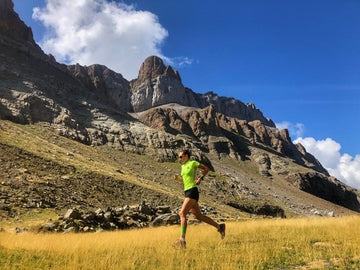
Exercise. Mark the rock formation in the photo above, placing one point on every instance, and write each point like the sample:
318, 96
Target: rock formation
328, 188
104, 82
126, 217
157, 85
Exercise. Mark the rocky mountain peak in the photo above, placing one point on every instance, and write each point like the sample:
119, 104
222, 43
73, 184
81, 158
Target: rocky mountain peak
153, 67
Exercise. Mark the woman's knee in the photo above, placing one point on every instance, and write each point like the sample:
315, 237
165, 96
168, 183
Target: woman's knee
182, 214
197, 214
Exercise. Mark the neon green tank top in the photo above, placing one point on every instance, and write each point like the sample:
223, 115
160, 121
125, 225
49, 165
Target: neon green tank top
188, 173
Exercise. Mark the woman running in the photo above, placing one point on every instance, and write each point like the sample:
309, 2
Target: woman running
188, 170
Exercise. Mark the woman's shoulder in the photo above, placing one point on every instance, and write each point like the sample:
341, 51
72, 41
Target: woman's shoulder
195, 162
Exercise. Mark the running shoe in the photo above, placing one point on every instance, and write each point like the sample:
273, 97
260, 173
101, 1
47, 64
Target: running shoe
221, 230
179, 244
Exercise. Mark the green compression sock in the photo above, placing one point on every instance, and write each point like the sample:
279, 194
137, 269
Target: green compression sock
183, 230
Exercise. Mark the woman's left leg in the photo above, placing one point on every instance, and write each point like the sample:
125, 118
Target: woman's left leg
197, 213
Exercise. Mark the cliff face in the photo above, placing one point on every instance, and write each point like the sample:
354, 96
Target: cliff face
154, 114
11, 25
13, 31
157, 85
224, 135
104, 83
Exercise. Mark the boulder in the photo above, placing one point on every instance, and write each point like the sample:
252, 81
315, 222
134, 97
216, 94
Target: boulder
166, 219
72, 214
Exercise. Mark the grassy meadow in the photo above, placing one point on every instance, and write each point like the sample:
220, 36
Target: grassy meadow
303, 243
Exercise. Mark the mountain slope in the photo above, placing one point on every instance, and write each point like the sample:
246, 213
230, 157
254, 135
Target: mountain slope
42, 170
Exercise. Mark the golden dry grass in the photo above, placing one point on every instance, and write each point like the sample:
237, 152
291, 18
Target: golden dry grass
318, 243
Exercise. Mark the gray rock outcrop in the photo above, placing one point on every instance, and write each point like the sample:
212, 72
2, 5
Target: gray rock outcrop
113, 218
158, 85
328, 188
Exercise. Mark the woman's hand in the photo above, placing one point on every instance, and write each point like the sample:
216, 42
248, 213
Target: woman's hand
177, 177
198, 181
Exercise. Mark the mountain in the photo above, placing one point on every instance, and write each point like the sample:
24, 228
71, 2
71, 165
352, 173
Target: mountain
151, 118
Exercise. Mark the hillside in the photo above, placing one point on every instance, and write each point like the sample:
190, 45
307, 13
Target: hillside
41, 170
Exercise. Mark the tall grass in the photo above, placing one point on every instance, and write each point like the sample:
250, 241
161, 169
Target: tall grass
318, 243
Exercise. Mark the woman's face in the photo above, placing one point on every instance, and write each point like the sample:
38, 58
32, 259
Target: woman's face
183, 158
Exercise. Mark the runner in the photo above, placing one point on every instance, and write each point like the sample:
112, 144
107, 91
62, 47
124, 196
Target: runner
190, 204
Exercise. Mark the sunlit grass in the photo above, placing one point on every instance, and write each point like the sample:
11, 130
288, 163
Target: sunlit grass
321, 243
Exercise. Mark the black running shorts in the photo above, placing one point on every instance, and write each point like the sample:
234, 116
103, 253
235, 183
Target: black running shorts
192, 193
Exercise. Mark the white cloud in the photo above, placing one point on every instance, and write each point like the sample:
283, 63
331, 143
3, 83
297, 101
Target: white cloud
342, 166
295, 130
101, 32
180, 61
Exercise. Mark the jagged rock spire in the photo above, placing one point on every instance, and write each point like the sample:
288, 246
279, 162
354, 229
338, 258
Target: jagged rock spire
153, 67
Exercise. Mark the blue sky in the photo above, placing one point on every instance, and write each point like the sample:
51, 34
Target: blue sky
297, 61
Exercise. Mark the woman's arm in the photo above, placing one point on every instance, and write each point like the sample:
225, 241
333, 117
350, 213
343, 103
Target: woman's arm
205, 171
178, 178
